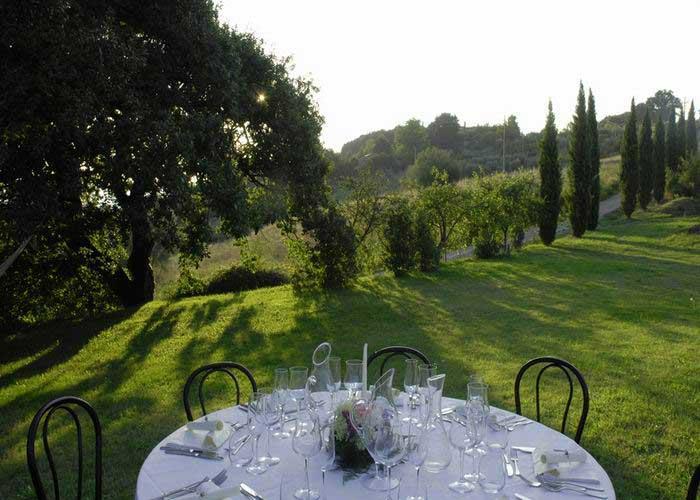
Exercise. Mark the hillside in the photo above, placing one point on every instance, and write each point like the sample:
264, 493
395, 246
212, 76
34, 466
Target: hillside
619, 303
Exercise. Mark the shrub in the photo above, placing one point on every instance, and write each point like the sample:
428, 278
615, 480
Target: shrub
239, 278
398, 237
428, 251
685, 181
188, 285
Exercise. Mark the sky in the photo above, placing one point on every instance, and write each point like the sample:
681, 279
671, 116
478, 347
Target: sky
379, 63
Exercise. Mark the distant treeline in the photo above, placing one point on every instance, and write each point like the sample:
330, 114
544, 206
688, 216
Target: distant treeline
411, 150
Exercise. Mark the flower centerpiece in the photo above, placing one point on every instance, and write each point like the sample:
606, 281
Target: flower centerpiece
350, 452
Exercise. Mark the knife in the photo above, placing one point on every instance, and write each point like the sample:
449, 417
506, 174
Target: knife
179, 446
509, 466
582, 480
520, 497
250, 492
207, 455
524, 449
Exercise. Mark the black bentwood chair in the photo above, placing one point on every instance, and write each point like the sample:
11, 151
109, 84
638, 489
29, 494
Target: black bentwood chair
694, 485
569, 370
203, 372
67, 404
387, 353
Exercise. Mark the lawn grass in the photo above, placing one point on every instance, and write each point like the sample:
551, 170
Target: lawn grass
621, 304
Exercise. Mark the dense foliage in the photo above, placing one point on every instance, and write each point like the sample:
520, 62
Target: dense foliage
434, 159
399, 239
578, 174
691, 131
629, 173
550, 180
593, 163
672, 153
139, 124
659, 160
646, 162
681, 142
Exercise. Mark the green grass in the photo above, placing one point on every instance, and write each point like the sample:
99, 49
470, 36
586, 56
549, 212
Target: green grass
621, 304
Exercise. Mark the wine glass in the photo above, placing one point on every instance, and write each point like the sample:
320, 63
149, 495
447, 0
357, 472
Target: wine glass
257, 427
306, 442
477, 429
297, 385
478, 391
410, 384
326, 458
353, 376
334, 365
461, 438
416, 452
492, 474
269, 416
282, 390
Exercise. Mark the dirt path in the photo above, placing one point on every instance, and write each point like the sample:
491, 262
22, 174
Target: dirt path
606, 206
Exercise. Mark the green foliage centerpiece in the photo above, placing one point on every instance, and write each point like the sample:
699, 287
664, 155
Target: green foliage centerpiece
350, 452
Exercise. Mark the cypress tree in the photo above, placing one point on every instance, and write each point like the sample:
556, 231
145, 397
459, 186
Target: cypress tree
659, 160
671, 143
550, 180
578, 178
646, 162
594, 163
680, 136
691, 132
629, 174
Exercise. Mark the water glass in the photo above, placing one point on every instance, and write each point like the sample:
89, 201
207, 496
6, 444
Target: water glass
492, 472
478, 391
297, 384
353, 376
461, 438
269, 417
307, 442
408, 492
326, 457
257, 426
334, 366
416, 453
281, 389
496, 436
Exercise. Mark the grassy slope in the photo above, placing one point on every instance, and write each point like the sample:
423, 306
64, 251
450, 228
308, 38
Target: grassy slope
618, 303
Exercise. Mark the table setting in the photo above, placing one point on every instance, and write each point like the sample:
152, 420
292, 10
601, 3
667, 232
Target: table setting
324, 434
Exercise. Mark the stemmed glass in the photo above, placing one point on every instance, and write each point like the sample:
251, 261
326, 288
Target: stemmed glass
297, 385
270, 417
257, 425
461, 438
410, 385
353, 376
334, 365
282, 392
416, 452
477, 429
327, 455
478, 391
307, 442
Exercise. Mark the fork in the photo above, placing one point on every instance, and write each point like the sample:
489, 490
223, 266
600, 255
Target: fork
218, 480
560, 487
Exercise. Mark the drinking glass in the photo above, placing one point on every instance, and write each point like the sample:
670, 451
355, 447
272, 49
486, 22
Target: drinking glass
306, 442
461, 438
326, 458
497, 437
257, 427
478, 391
334, 365
416, 452
353, 376
282, 391
297, 384
410, 385
269, 416
240, 444
492, 473
477, 429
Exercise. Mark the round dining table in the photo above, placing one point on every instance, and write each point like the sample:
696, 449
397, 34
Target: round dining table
161, 472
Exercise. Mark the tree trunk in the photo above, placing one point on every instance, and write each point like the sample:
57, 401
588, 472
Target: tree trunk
143, 284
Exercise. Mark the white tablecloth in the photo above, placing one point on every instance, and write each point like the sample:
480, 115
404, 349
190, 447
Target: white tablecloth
161, 472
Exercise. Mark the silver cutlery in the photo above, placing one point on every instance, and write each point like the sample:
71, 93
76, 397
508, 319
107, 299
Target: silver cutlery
521, 497
524, 449
189, 488
194, 454
562, 487
567, 483
516, 470
183, 447
582, 480
509, 466
249, 492
511, 427
239, 444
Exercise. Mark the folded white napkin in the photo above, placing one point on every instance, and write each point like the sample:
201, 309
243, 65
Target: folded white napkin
206, 425
556, 459
209, 440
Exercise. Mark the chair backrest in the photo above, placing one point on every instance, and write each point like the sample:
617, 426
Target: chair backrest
203, 372
388, 353
694, 485
67, 404
568, 369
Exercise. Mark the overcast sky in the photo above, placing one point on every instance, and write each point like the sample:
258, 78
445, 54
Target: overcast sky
379, 63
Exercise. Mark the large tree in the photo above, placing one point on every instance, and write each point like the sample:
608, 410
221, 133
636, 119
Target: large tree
550, 180
578, 176
126, 125
663, 103
681, 142
659, 161
672, 154
594, 163
629, 173
691, 131
410, 139
443, 132
646, 162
